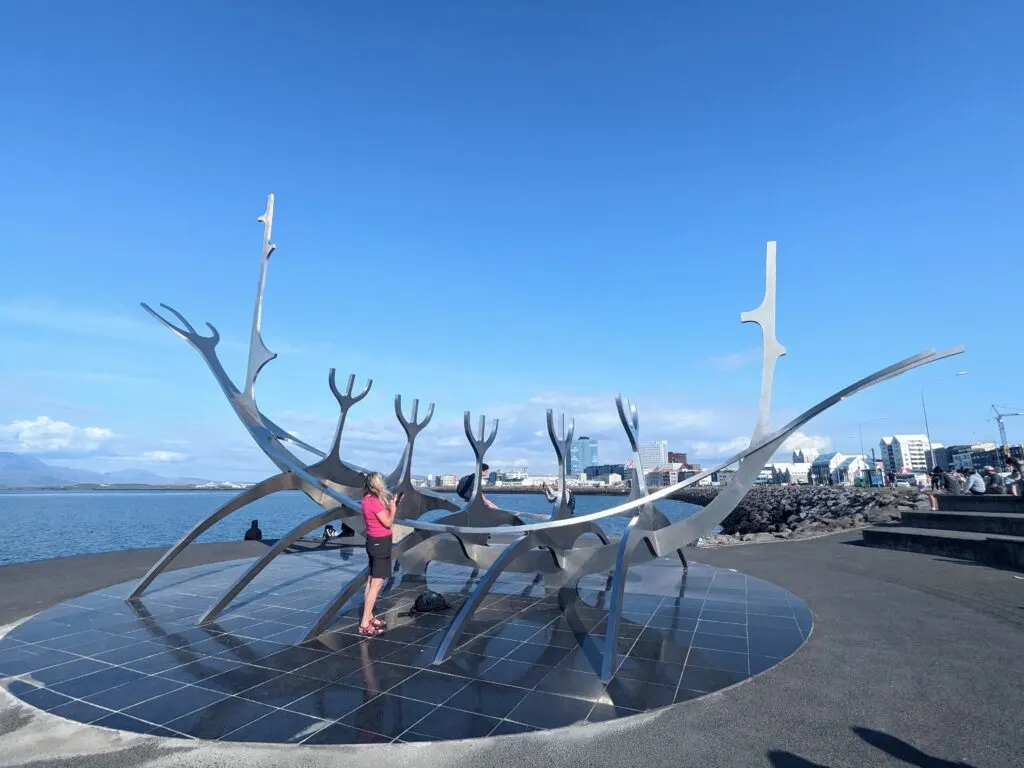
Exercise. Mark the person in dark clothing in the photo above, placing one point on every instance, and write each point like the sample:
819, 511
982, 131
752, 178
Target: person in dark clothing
254, 533
994, 483
466, 484
945, 482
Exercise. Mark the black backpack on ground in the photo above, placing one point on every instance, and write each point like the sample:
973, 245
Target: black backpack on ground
430, 601
465, 486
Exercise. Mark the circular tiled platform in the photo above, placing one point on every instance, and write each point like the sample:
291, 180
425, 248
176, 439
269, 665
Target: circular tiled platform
523, 665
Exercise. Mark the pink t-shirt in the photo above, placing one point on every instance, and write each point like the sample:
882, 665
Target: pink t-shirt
371, 506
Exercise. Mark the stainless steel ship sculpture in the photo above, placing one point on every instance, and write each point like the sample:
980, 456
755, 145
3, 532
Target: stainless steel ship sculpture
464, 535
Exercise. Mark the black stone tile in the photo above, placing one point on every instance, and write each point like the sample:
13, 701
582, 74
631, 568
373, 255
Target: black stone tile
161, 662
378, 676
711, 659
494, 647
637, 694
666, 637
768, 641
196, 671
343, 734
331, 702
134, 692
515, 673
39, 629
283, 690
374, 649
293, 636
571, 682
412, 655
121, 722
485, 698
290, 658
429, 686
726, 616
30, 658
558, 638
220, 718
330, 667
444, 723
279, 727
170, 706
39, 697
387, 715
761, 663
80, 687
331, 642
668, 622
467, 665
540, 655
409, 633
774, 622
80, 711
508, 728
586, 659
68, 671
719, 642
769, 608
239, 679
709, 680
722, 628
252, 651
78, 640
262, 630
649, 671
129, 653
603, 712
660, 651
547, 710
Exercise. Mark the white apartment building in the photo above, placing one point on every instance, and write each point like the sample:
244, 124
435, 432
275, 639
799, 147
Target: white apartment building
905, 452
653, 454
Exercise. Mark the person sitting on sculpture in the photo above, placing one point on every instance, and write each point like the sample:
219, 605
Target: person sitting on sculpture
329, 533
467, 483
254, 533
378, 508
552, 495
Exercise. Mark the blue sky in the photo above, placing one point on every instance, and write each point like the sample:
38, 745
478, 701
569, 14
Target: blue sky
504, 207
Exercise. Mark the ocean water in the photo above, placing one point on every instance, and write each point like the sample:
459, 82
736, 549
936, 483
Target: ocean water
36, 525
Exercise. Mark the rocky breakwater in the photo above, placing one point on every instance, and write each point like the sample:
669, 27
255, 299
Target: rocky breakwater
772, 512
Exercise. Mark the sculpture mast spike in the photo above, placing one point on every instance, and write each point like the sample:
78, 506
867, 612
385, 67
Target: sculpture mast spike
259, 355
764, 316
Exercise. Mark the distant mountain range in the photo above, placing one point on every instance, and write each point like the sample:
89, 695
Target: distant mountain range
19, 470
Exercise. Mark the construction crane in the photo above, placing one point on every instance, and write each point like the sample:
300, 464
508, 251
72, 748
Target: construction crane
1002, 428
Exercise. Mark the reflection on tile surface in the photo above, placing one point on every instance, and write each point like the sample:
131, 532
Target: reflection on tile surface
521, 664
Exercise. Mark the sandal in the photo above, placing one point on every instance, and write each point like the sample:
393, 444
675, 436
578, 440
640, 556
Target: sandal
370, 630
379, 623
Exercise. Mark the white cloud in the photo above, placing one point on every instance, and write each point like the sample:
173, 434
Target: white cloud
164, 456
46, 435
799, 441
710, 448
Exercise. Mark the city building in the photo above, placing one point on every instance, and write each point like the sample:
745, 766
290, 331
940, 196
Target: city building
582, 454
668, 474
447, 481
823, 466
654, 454
905, 452
677, 457
804, 455
978, 456
785, 473
596, 471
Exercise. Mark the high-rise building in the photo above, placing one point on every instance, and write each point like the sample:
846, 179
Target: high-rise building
653, 454
582, 454
905, 452
677, 457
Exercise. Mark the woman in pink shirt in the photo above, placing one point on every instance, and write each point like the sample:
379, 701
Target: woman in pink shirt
378, 513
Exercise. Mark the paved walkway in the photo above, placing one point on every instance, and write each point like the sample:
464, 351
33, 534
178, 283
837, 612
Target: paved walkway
913, 661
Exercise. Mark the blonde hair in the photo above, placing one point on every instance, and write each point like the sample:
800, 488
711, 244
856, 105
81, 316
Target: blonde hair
376, 487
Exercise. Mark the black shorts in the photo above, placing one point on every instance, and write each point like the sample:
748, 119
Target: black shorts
378, 549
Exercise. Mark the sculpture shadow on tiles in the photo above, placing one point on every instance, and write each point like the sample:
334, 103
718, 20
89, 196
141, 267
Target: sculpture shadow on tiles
466, 534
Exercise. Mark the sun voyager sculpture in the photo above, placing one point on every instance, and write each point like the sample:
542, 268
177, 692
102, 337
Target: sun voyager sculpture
463, 536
